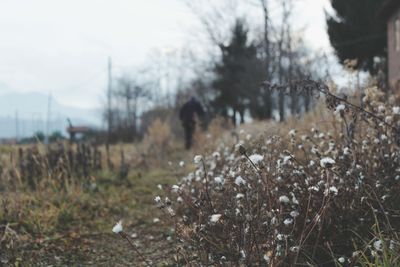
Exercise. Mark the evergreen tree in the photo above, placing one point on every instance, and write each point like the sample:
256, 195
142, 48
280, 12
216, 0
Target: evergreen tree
238, 75
39, 136
356, 32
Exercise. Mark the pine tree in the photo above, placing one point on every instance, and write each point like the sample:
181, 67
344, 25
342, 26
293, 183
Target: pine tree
357, 32
238, 75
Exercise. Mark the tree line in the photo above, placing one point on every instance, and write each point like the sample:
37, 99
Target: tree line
233, 81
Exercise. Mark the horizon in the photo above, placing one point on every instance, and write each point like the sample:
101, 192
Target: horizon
62, 49
73, 68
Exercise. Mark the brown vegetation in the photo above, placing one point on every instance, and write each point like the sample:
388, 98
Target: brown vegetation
323, 193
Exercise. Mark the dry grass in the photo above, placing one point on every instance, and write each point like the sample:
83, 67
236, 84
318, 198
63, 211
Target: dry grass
290, 205
68, 225
285, 197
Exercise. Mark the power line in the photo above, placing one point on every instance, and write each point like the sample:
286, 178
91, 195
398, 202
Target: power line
87, 81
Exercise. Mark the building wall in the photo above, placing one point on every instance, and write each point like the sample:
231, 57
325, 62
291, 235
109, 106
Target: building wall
394, 55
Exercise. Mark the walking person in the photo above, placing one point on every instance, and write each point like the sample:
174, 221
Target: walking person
187, 116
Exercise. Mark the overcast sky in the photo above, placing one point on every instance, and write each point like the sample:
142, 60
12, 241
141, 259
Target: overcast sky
61, 46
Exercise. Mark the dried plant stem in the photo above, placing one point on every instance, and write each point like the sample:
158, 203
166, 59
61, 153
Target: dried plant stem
125, 235
357, 108
207, 186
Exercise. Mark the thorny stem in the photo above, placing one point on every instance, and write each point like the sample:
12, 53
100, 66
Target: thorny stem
125, 235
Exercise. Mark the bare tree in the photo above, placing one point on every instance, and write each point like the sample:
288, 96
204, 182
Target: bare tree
282, 38
281, 53
216, 17
131, 93
267, 93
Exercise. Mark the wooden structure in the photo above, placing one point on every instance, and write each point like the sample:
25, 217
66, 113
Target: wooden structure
391, 13
74, 131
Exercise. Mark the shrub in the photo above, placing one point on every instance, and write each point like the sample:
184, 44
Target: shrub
217, 133
306, 197
158, 140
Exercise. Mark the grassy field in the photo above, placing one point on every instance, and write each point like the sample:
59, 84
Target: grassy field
261, 194
72, 227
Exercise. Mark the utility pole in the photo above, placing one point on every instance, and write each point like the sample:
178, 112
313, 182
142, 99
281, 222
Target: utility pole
48, 119
16, 127
33, 123
109, 89
109, 118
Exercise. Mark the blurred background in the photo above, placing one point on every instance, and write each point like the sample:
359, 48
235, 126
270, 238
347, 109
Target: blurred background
288, 108
112, 67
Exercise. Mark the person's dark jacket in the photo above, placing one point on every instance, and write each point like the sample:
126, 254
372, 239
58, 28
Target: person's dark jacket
189, 109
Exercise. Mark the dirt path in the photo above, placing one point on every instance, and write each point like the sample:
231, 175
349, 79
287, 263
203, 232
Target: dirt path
89, 241
102, 249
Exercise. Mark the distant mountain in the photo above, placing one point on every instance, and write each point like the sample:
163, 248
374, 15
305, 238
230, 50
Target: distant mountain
4, 88
31, 110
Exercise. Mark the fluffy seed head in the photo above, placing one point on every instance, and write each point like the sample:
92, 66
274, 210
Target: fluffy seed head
117, 227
